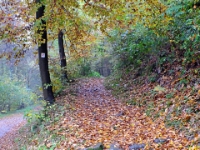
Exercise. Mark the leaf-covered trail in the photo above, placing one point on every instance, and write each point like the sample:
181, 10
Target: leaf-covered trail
99, 117
9, 127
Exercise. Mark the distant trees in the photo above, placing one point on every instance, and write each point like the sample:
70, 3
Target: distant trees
14, 95
18, 79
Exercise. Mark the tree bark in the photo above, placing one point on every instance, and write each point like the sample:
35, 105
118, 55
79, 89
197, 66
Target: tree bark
43, 58
63, 62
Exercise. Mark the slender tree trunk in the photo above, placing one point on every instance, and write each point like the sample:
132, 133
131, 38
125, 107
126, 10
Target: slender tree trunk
63, 61
43, 59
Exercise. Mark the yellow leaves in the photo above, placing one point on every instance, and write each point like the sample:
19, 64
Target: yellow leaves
100, 131
177, 97
107, 145
158, 88
194, 148
95, 120
191, 102
114, 131
195, 71
198, 92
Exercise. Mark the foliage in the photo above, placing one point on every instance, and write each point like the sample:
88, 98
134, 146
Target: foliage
97, 117
183, 30
82, 67
79, 19
21, 111
19, 81
56, 80
139, 47
94, 74
85, 68
156, 38
14, 95
39, 134
148, 48
157, 67
74, 68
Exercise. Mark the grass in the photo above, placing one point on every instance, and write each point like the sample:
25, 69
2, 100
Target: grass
22, 111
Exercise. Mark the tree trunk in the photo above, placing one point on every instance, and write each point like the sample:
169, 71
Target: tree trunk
63, 61
43, 59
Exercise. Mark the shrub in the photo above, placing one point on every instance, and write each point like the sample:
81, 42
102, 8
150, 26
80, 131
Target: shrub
13, 95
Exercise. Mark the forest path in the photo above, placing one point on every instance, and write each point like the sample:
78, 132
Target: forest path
100, 118
9, 127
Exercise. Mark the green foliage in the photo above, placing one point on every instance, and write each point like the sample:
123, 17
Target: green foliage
143, 49
38, 127
85, 69
133, 47
183, 81
174, 123
37, 120
152, 78
150, 51
142, 46
131, 102
170, 95
57, 82
94, 74
74, 68
13, 95
23, 111
184, 28
169, 103
150, 109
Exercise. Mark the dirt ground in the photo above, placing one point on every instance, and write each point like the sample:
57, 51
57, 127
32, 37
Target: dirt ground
9, 127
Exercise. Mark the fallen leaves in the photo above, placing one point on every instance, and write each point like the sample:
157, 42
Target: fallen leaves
99, 117
94, 116
9, 127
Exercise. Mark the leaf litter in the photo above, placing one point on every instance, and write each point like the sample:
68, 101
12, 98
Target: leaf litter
9, 127
98, 117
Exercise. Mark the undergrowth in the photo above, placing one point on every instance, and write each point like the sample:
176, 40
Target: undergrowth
42, 129
160, 72
169, 97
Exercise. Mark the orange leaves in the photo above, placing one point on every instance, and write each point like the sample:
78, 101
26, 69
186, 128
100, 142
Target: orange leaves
191, 102
199, 92
100, 118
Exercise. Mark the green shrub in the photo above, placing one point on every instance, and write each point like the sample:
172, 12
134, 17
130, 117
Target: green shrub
13, 95
94, 74
184, 29
38, 127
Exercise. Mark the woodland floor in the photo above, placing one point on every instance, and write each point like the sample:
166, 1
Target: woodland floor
9, 127
98, 117
95, 116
